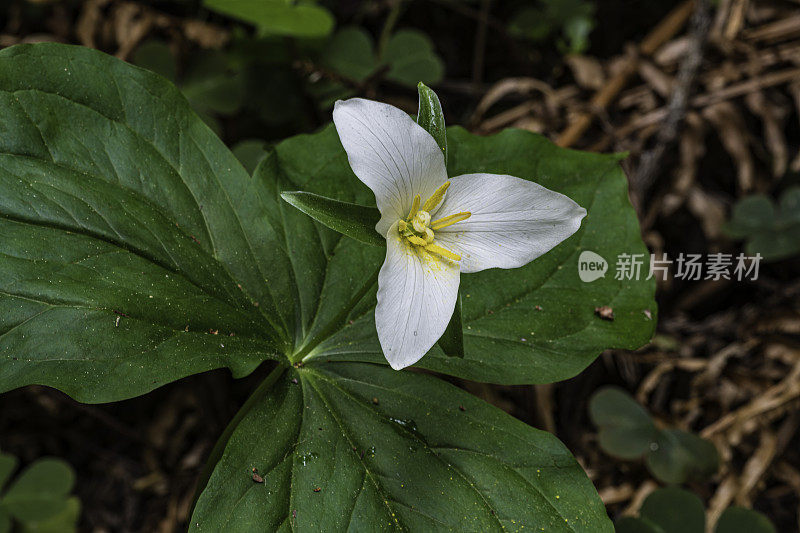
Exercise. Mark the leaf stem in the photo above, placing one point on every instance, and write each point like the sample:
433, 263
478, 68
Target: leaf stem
388, 27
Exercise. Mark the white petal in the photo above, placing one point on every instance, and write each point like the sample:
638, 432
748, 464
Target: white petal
513, 221
416, 296
390, 153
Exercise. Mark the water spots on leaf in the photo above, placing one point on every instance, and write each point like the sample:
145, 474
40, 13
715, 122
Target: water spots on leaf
406, 424
306, 458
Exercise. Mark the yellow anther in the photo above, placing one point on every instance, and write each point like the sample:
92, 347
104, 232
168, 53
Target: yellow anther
438, 250
419, 241
428, 235
402, 225
450, 220
414, 207
436, 198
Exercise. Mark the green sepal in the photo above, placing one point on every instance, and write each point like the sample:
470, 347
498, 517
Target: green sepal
353, 220
430, 116
452, 340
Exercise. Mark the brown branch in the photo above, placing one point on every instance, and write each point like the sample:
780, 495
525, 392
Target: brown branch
662, 33
650, 161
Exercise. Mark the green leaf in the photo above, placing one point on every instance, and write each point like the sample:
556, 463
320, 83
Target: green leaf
530, 23
626, 428
211, 84
134, 243
156, 56
64, 522
40, 492
534, 324
356, 221
5, 521
679, 456
250, 152
576, 31
8, 463
790, 206
775, 244
364, 448
768, 232
750, 215
350, 53
412, 59
277, 17
674, 510
431, 117
741, 520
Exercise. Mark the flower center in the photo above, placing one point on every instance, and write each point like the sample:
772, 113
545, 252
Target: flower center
418, 228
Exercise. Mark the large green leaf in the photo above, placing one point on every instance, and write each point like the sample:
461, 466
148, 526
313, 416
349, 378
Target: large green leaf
360, 447
133, 242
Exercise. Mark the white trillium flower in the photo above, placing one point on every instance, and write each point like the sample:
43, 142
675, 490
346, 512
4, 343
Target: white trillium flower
435, 227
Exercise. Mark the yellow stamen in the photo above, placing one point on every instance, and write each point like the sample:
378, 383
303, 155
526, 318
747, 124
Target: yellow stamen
414, 207
450, 220
419, 241
428, 235
435, 248
436, 198
402, 225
